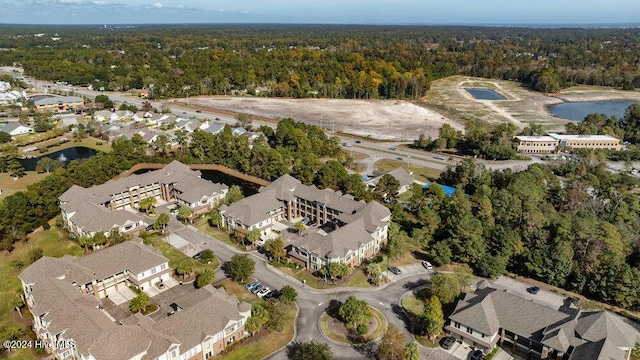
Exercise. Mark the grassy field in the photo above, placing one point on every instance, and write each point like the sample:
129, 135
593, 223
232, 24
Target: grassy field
413, 305
175, 256
356, 279
92, 143
10, 186
218, 234
54, 244
420, 173
238, 290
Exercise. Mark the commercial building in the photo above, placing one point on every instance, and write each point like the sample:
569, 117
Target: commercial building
59, 104
491, 317
348, 231
113, 204
555, 142
66, 297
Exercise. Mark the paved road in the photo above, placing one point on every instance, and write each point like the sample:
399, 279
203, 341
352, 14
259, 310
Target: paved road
313, 302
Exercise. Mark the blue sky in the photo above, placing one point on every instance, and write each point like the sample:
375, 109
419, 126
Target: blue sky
320, 11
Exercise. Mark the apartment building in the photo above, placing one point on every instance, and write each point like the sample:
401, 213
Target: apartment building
556, 142
66, 297
346, 230
491, 317
113, 204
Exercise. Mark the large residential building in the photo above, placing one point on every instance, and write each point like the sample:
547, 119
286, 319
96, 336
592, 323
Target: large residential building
113, 204
405, 179
554, 142
59, 104
66, 297
491, 317
349, 231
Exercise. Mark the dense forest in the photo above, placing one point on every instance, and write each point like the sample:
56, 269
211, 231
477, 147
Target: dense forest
320, 61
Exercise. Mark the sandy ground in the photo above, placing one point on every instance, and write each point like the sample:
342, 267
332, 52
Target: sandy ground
378, 119
400, 120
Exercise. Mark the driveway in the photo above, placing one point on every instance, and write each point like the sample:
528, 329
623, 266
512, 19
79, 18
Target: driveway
519, 288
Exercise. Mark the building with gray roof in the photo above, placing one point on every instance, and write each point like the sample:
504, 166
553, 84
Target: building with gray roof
351, 230
56, 104
65, 296
113, 204
405, 179
491, 317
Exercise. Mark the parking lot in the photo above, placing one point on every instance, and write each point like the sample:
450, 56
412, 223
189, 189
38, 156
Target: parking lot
408, 270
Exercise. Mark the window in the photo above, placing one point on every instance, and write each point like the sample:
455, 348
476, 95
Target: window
153, 271
470, 330
456, 324
163, 266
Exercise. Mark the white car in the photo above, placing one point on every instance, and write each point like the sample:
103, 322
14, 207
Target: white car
427, 265
263, 292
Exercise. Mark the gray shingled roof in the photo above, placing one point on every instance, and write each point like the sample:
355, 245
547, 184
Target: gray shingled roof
203, 318
58, 100
130, 255
254, 209
338, 242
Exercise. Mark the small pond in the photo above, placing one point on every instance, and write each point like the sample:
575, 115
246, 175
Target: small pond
66, 155
578, 110
484, 94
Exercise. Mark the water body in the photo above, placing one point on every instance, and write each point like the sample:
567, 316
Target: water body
248, 188
578, 110
66, 155
484, 94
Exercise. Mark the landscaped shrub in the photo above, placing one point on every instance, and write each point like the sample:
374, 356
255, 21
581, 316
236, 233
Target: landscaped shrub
363, 329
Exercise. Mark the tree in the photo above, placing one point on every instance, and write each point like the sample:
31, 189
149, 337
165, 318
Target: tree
277, 314
447, 287
259, 316
16, 303
374, 271
411, 351
340, 270
432, 319
299, 226
288, 294
312, 350
244, 120
147, 204
206, 255
215, 219
184, 213
139, 303
253, 236
240, 267
86, 242
275, 247
15, 168
4, 137
161, 143
185, 267
234, 195
387, 187
47, 164
205, 277
161, 222
392, 344
42, 123
355, 312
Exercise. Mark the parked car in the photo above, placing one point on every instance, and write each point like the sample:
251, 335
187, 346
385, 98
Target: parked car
448, 342
184, 113
197, 256
427, 265
263, 292
393, 148
394, 270
438, 157
306, 221
476, 355
533, 290
358, 142
399, 158
347, 144
198, 111
252, 286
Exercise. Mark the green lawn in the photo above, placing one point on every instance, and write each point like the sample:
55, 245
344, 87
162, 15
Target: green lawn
238, 290
54, 244
175, 256
377, 315
413, 305
356, 279
218, 234
420, 173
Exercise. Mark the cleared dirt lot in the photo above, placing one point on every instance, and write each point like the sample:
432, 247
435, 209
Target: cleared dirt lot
378, 119
400, 120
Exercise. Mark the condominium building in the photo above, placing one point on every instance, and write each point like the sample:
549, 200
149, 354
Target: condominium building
348, 231
59, 104
491, 317
66, 297
114, 203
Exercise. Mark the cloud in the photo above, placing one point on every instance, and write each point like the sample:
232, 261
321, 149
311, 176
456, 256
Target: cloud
157, 5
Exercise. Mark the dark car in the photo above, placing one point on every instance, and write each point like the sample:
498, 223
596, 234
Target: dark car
197, 256
448, 342
198, 111
533, 290
358, 142
395, 270
476, 355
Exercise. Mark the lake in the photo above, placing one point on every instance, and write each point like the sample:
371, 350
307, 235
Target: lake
580, 109
484, 94
248, 188
66, 155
